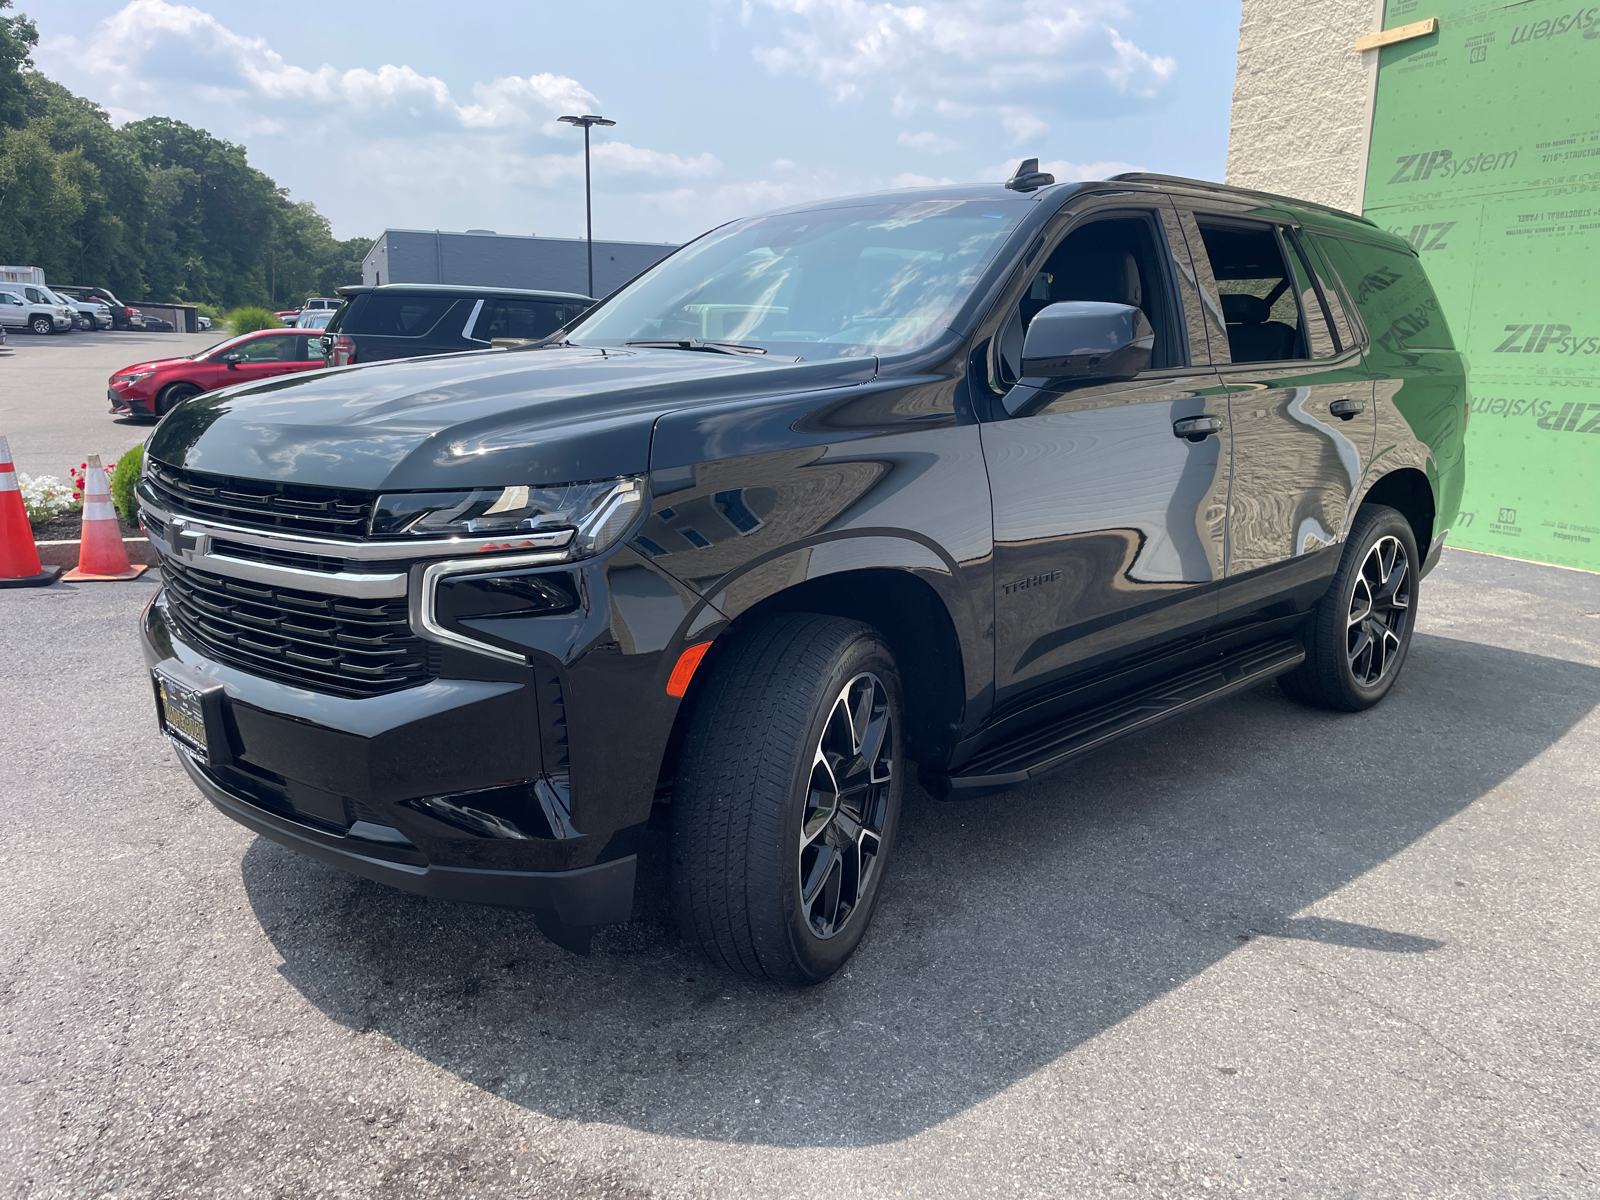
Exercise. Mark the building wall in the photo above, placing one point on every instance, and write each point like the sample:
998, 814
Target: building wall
1302, 99
499, 260
1480, 144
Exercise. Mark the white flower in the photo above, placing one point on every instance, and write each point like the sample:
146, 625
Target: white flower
45, 496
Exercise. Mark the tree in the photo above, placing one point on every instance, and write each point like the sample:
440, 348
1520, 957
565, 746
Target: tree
156, 210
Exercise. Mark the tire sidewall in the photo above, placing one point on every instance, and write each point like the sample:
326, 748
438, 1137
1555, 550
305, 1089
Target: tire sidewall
1383, 522
819, 958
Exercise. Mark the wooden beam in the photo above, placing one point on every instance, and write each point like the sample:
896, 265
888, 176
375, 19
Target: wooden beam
1404, 33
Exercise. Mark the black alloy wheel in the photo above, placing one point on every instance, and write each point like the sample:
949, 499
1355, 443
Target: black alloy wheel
841, 832
1380, 612
787, 796
1359, 634
172, 394
42, 325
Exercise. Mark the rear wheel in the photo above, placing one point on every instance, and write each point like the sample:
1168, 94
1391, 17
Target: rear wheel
788, 797
172, 394
1360, 632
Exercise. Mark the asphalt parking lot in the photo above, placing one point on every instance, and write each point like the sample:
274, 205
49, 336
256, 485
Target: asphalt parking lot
1258, 951
53, 404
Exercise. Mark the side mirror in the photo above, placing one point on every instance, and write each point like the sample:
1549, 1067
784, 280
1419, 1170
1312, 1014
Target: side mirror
233, 360
1087, 340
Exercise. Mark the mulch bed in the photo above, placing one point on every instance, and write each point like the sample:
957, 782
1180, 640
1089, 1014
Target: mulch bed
69, 528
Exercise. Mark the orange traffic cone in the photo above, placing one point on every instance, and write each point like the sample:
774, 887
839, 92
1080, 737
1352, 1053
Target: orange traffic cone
19, 560
101, 554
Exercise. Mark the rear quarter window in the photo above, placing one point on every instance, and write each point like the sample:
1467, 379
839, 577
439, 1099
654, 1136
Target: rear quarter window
1392, 293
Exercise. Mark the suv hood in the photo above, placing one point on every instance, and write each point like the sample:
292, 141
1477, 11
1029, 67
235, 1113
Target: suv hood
489, 418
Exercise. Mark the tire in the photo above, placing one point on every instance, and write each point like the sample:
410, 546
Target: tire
172, 394
777, 862
42, 325
1360, 632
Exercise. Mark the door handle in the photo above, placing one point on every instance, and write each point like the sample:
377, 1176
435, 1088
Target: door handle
1197, 429
1346, 409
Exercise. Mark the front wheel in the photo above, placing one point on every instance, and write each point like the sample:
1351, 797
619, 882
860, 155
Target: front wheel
173, 394
1360, 631
42, 325
788, 797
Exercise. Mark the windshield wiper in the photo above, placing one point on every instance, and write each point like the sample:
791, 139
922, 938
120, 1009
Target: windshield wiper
697, 344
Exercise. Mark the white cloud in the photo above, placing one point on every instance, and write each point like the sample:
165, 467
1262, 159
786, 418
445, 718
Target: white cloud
1023, 126
910, 179
933, 143
976, 52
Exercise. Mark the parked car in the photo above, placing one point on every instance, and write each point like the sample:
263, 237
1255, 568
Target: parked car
158, 324
121, 314
313, 303
150, 389
88, 315
314, 318
963, 481
407, 320
25, 306
204, 322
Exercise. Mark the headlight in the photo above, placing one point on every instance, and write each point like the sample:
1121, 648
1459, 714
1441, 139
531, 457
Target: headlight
133, 378
599, 513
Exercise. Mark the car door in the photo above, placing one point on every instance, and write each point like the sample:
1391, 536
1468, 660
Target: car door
1109, 524
13, 312
1300, 407
265, 357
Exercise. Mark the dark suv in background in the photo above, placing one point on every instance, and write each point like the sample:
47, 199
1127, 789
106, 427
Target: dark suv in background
963, 482
409, 320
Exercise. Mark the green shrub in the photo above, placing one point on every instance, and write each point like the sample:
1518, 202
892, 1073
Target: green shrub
248, 320
123, 482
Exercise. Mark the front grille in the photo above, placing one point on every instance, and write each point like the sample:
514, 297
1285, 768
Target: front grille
300, 561
260, 503
335, 644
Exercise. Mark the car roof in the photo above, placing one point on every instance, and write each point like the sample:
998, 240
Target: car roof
457, 289
998, 193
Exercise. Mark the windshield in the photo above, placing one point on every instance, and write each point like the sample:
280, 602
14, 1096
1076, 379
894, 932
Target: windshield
821, 284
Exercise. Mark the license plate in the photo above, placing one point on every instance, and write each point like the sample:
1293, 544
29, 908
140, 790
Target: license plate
183, 713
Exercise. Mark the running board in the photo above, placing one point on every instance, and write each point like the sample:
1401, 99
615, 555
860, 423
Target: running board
1040, 751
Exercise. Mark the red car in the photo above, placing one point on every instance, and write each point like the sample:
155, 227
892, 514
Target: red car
149, 389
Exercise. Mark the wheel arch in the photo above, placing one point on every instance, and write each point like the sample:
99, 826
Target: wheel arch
916, 623
1407, 491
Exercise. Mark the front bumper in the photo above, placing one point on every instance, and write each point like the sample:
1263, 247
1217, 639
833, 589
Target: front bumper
129, 406
597, 895
368, 785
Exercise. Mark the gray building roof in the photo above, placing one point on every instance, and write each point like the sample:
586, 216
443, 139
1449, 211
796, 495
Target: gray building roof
488, 259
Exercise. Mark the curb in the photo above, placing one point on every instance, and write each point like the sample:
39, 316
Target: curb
65, 554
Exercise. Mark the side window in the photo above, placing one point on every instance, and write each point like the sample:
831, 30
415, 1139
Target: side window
399, 315
1113, 259
35, 295
1259, 302
1389, 287
504, 318
1320, 335
1345, 327
282, 348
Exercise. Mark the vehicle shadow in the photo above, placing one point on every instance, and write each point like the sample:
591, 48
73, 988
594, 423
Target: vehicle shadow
1012, 928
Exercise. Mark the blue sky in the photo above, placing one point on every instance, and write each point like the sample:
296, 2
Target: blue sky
443, 115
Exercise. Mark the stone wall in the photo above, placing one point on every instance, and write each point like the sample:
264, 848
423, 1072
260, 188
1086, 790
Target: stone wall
1302, 99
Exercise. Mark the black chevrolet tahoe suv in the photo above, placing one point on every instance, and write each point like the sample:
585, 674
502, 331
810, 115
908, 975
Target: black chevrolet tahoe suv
961, 482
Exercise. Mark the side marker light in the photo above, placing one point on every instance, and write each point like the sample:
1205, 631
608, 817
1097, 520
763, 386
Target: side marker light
678, 682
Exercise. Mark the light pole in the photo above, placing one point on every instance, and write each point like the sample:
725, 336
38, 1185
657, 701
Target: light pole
588, 120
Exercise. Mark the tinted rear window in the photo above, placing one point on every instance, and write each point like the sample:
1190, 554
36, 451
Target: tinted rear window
395, 315
1392, 293
506, 318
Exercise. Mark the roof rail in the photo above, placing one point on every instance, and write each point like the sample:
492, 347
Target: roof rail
1206, 185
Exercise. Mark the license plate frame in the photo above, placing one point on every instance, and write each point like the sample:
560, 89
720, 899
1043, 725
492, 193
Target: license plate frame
189, 709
